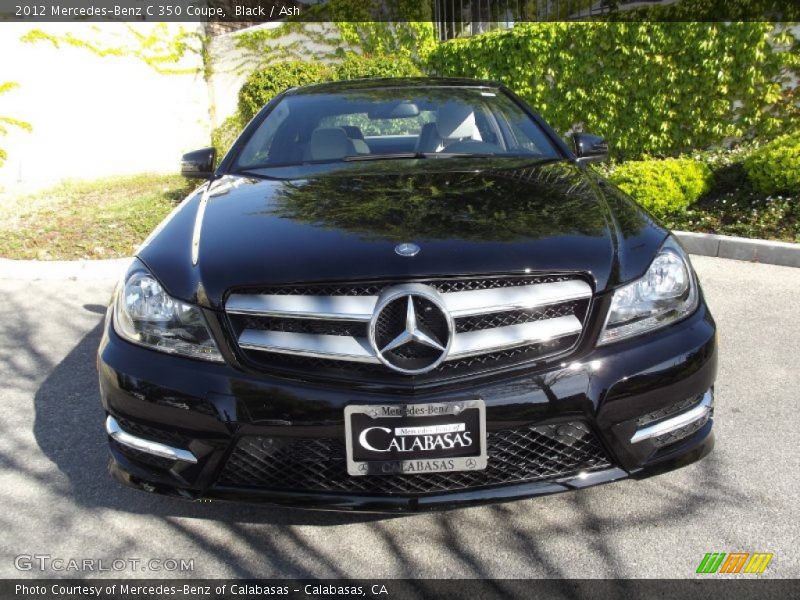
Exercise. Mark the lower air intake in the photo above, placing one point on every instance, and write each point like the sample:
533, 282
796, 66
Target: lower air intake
523, 455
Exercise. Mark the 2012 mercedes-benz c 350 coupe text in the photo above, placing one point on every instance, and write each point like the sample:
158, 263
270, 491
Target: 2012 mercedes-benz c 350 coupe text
404, 294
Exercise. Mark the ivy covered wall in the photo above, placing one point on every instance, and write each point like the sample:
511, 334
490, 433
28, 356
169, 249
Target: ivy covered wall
650, 88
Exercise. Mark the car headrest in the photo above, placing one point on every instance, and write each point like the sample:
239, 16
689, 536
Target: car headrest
353, 132
328, 144
455, 120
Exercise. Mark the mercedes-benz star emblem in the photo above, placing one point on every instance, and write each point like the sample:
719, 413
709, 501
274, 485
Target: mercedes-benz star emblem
411, 331
407, 249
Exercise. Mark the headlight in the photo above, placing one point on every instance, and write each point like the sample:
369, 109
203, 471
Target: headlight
665, 294
146, 315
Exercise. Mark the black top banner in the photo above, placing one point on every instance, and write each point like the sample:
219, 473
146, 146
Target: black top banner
441, 11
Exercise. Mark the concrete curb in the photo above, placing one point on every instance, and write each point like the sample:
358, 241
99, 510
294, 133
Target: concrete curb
63, 269
725, 246
705, 244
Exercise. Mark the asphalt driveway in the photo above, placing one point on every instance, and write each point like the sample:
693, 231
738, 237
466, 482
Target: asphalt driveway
58, 501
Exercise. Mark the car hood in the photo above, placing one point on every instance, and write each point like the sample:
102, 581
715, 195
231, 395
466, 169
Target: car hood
468, 217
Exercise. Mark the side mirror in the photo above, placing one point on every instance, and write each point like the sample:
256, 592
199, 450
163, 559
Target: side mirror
590, 148
199, 164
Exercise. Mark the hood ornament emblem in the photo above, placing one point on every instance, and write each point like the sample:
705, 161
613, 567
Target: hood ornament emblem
407, 249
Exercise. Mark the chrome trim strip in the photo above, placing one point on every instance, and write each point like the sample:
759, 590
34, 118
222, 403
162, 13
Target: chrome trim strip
198, 224
501, 338
338, 308
342, 347
155, 448
337, 347
361, 308
478, 302
682, 420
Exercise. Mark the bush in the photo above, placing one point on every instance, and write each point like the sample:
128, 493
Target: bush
650, 88
358, 66
664, 187
263, 85
775, 167
222, 137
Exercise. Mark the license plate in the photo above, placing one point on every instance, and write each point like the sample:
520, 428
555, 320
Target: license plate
415, 438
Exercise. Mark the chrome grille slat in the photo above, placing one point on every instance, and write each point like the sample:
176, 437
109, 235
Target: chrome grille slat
529, 315
341, 347
360, 308
358, 349
484, 341
338, 308
478, 302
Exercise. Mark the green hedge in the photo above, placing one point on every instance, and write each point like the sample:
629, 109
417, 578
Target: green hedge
262, 85
664, 187
656, 89
775, 167
357, 66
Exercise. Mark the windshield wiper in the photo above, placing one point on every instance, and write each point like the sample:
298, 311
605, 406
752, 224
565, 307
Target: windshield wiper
390, 156
401, 155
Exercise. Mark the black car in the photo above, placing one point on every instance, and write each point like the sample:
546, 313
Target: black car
404, 294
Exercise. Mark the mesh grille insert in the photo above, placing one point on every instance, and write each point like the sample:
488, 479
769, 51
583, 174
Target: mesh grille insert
529, 454
668, 411
140, 430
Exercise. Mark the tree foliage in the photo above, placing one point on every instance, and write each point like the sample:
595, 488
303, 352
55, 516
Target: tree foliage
331, 41
6, 122
650, 88
158, 47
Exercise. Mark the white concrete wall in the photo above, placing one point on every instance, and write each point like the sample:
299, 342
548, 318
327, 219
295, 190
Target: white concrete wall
231, 66
94, 116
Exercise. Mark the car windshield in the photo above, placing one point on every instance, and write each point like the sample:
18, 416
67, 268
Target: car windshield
392, 123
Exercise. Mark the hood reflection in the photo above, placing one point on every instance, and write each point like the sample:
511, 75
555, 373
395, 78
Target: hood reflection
495, 204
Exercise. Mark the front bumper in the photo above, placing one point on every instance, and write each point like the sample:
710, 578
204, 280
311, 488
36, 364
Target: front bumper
204, 410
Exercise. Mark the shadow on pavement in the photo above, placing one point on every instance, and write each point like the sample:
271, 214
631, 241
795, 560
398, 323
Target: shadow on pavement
69, 430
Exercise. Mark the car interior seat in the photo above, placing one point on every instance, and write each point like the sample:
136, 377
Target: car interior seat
454, 122
329, 144
357, 137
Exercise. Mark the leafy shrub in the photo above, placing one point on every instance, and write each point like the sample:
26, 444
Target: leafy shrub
222, 137
358, 66
664, 187
650, 88
775, 167
263, 85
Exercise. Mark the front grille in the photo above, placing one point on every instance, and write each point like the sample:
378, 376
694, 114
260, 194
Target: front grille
280, 328
522, 455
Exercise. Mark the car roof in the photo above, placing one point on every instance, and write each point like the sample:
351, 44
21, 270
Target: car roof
389, 82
